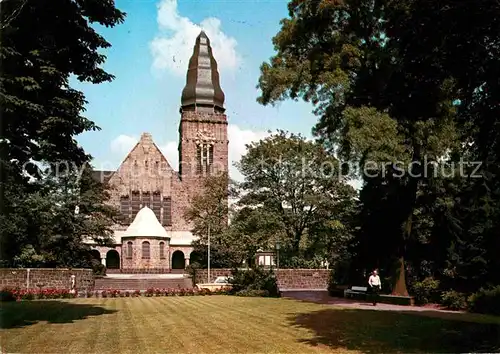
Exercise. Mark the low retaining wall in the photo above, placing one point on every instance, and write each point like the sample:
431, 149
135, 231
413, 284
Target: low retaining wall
42, 278
288, 279
297, 279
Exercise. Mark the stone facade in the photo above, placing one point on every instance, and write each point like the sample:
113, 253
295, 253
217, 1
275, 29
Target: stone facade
40, 278
288, 279
146, 178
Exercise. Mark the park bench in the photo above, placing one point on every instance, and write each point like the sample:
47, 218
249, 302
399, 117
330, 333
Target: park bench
355, 291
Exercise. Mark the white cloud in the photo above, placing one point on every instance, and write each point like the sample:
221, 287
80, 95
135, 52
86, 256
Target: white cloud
171, 153
238, 139
123, 144
173, 47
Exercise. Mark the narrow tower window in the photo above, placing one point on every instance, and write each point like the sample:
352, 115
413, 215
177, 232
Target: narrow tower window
205, 154
145, 250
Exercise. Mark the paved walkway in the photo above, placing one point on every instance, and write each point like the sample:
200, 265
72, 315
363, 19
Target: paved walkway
322, 297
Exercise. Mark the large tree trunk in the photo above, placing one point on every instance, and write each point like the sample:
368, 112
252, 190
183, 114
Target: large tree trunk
399, 287
400, 279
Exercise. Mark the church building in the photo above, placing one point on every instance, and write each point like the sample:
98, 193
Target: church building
153, 235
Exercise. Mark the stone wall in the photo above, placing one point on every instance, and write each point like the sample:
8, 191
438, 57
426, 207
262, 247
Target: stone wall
202, 274
288, 279
36, 278
295, 279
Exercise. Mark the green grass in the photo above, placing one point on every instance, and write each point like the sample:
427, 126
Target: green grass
225, 324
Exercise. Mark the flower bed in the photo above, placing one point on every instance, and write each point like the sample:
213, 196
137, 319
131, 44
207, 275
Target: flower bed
17, 294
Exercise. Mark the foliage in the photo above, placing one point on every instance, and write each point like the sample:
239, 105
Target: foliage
209, 212
98, 268
486, 300
254, 281
192, 270
425, 291
404, 89
54, 233
454, 300
308, 210
45, 173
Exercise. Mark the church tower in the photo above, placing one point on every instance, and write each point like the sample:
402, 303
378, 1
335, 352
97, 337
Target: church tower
203, 143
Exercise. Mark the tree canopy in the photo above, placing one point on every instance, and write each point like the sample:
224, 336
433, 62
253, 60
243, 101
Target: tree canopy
403, 88
44, 44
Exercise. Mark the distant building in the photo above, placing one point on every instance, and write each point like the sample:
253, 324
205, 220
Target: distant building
151, 196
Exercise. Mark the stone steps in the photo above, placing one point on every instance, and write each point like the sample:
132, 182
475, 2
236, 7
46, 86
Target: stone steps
141, 284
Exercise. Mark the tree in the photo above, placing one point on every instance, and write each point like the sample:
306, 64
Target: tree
41, 113
209, 211
382, 98
57, 222
297, 185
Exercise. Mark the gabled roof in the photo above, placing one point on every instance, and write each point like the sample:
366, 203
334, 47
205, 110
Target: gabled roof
145, 224
145, 141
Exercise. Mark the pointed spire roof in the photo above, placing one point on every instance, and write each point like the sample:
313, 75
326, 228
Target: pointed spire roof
202, 88
145, 224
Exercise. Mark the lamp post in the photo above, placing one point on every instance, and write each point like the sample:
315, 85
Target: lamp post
277, 255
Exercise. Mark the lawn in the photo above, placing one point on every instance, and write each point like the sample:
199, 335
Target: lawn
226, 324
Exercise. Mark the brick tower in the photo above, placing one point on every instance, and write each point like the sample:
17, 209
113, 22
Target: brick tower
203, 143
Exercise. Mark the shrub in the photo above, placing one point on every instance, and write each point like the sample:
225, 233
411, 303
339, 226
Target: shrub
254, 279
486, 301
7, 294
204, 292
453, 300
253, 293
192, 270
98, 269
426, 291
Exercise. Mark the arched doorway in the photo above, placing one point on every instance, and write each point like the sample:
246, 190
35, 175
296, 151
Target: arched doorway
178, 260
112, 260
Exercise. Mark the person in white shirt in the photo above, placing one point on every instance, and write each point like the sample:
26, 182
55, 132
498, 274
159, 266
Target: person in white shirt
375, 286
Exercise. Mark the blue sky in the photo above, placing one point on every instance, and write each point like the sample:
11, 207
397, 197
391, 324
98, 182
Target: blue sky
149, 57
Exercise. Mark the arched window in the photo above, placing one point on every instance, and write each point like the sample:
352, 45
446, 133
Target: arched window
145, 250
162, 250
129, 249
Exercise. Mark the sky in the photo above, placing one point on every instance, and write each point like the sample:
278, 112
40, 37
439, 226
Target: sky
149, 58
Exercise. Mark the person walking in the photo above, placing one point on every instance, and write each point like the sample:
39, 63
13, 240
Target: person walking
375, 286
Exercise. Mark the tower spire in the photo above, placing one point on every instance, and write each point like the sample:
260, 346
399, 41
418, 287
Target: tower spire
202, 91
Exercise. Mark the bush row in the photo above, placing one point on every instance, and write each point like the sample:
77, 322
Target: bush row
486, 300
